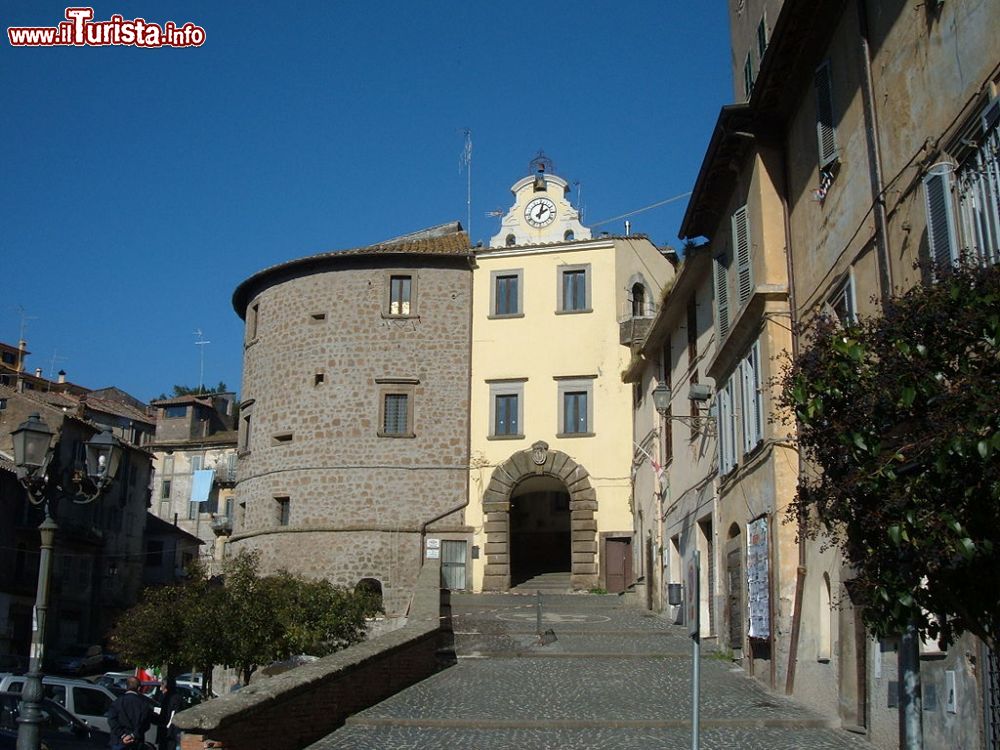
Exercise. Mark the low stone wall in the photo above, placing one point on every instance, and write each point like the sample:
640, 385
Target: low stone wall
292, 710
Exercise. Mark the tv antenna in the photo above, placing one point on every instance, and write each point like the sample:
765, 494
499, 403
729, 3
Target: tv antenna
56, 357
24, 321
200, 343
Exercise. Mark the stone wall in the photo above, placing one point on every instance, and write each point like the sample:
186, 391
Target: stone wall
322, 355
294, 709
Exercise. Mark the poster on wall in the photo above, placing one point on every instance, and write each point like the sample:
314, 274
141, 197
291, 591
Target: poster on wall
758, 590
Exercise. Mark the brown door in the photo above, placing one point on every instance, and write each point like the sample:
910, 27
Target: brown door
618, 555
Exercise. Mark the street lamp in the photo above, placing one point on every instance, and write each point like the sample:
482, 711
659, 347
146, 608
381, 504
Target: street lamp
32, 455
661, 398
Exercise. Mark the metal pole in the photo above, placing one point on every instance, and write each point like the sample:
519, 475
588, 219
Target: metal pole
696, 653
538, 612
29, 731
909, 687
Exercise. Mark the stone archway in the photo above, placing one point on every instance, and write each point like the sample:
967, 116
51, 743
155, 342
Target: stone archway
540, 461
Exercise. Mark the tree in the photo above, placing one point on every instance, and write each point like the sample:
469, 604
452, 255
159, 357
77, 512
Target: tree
900, 415
243, 620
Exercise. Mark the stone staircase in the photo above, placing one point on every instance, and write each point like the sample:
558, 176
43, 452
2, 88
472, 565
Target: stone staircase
547, 583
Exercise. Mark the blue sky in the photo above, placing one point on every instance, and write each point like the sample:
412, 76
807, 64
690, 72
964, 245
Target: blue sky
140, 186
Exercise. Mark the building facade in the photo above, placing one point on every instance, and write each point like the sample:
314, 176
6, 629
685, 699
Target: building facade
353, 427
861, 159
194, 460
551, 441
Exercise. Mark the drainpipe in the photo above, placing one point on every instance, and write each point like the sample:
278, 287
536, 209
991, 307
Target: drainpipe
438, 517
874, 157
800, 574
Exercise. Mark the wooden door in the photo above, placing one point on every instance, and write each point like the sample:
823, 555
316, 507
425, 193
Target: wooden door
734, 596
618, 558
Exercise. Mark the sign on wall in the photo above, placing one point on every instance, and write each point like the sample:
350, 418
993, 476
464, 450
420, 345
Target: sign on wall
433, 549
758, 583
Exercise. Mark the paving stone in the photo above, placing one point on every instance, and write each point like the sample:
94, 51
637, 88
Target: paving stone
613, 677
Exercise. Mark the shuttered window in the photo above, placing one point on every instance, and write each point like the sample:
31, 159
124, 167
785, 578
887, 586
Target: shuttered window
721, 297
977, 184
727, 433
748, 77
752, 402
825, 130
941, 240
741, 249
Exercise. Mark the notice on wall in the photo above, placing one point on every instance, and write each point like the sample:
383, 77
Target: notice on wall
758, 583
432, 549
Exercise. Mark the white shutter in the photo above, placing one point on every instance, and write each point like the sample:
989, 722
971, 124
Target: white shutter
725, 421
826, 133
941, 239
758, 393
721, 297
741, 249
752, 407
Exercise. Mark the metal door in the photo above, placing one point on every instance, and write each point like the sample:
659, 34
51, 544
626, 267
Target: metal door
618, 556
453, 564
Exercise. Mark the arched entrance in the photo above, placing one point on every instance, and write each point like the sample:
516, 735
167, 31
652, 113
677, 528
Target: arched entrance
537, 495
539, 529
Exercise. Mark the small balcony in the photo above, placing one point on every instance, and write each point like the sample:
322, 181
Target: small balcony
222, 525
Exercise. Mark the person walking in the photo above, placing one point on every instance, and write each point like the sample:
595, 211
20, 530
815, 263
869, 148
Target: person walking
129, 718
167, 734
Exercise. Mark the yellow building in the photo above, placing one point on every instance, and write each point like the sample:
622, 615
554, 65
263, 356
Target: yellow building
554, 310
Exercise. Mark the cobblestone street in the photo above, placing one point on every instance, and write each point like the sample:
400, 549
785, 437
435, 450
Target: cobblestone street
615, 678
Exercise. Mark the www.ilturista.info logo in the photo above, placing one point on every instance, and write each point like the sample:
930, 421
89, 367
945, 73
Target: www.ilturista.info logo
81, 30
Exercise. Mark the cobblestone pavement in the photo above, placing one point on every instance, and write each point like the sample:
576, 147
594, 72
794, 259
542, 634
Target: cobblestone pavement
614, 678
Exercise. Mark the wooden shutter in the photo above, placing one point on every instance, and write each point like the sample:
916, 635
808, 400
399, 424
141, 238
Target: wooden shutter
741, 249
721, 297
724, 415
826, 134
941, 240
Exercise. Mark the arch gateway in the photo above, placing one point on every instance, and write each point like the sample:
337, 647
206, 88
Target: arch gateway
539, 509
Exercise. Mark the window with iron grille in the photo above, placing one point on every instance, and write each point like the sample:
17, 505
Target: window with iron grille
395, 415
962, 196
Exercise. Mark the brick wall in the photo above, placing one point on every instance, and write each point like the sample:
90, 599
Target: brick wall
294, 709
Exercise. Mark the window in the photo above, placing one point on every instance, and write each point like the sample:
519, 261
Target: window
197, 462
826, 133
246, 424
638, 300
175, 411
576, 407
842, 301
506, 409
253, 313
400, 291
752, 399
963, 200
762, 36
505, 293
90, 702
568, 235
165, 490
692, 330
9, 358
394, 418
510, 240
747, 77
727, 428
741, 251
574, 289
722, 295
284, 507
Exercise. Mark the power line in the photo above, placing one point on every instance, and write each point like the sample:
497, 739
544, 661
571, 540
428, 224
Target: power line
644, 208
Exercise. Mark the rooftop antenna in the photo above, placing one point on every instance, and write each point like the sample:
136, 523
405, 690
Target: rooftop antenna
465, 162
56, 357
579, 200
201, 372
24, 320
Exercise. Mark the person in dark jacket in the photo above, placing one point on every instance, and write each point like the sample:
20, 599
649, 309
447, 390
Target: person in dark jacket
167, 734
129, 718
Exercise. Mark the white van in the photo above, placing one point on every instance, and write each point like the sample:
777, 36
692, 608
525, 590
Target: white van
83, 699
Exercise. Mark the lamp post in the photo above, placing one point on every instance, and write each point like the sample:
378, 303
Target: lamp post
32, 455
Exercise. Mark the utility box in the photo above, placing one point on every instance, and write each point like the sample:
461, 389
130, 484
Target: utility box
675, 594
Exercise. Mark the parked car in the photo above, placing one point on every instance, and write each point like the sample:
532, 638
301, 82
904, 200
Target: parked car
85, 700
79, 660
60, 730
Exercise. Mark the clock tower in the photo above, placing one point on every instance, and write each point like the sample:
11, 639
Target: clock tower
541, 212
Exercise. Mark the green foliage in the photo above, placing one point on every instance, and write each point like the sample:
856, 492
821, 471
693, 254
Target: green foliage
901, 416
197, 390
244, 621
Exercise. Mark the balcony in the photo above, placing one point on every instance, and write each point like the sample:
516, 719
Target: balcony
222, 525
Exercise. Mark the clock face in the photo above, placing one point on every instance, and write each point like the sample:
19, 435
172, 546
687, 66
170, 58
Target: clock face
540, 212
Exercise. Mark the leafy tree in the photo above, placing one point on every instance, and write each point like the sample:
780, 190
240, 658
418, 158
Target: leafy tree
900, 414
243, 621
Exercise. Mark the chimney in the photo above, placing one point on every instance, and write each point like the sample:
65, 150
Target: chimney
22, 348
38, 372
62, 376
628, 228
